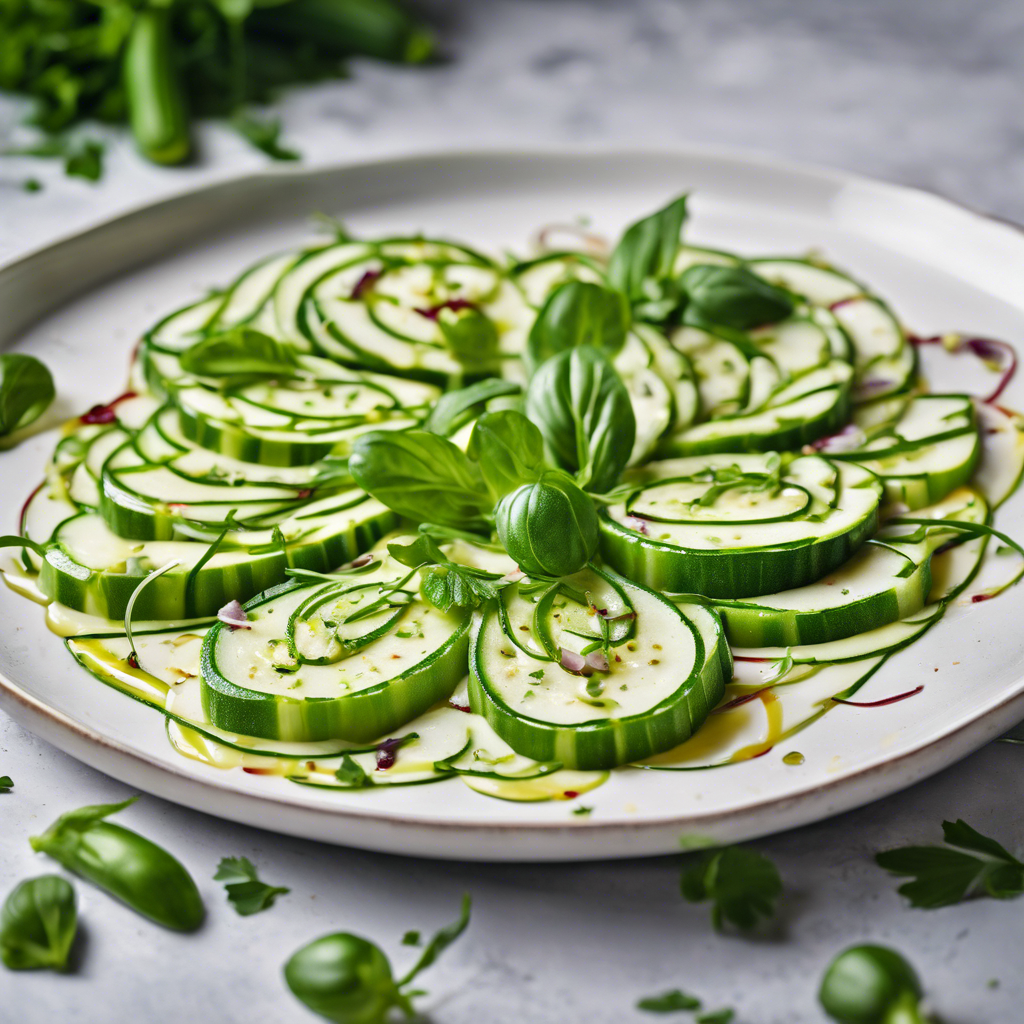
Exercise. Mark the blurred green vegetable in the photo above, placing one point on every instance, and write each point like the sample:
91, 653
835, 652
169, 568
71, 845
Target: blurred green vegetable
153, 63
871, 985
26, 391
38, 924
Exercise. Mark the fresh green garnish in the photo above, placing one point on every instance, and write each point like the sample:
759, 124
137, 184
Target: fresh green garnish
509, 450
583, 812
125, 864
411, 938
723, 1016
642, 263
971, 864
352, 775
245, 891
264, 134
6, 783
38, 924
673, 1001
578, 314
471, 337
445, 583
871, 985
26, 391
732, 297
455, 408
240, 352
742, 885
349, 980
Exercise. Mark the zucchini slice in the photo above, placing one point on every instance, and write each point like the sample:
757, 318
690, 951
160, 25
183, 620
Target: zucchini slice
665, 670
275, 680
888, 579
731, 526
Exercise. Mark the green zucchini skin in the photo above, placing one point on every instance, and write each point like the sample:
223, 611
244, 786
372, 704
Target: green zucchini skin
604, 743
355, 717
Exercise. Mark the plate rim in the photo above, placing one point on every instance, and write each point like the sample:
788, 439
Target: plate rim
21, 704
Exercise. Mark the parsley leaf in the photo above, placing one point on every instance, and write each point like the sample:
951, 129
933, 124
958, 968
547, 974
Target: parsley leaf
742, 884
446, 583
351, 774
582, 811
6, 783
971, 864
411, 938
669, 1002
248, 894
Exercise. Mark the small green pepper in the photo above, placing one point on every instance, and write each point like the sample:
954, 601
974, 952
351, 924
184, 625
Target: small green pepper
349, 980
871, 985
38, 924
127, 865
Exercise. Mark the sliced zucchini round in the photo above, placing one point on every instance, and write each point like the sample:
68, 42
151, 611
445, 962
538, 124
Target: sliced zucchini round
252, 682
731, 526
665, 670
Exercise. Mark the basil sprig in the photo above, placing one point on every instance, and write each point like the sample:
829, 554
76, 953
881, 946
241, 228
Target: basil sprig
26, 391
583, 411
456, 408
644, 258
579, 313
732, 297
240, 352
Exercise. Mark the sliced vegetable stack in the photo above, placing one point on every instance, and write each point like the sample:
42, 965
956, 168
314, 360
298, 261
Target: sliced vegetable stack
392, 511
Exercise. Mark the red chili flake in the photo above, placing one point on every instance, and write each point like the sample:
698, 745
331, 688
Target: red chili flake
394, 656
366, 282
570, 794
460, 707
311, 766
105, 413
767, 750
455, 305
879, 703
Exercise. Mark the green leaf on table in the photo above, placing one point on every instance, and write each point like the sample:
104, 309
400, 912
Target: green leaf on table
669, 1002
6, 783
411, 938
732, 297
742, 885
440, 942
86, 161
38, 924
723, 1016
264, 134
245, 891
579, 313
240, 352
26, 391
971, 864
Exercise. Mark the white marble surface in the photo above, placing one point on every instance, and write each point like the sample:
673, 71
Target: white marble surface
925, 92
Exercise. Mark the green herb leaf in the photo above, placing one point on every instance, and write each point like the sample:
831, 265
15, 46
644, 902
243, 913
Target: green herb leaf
38, 924
453, 585
576, 314
422, 551
509, 450
440, 942
742, 884
421, 476
240, 352
85, 162
470, 335
723, 1016
245, 891
411, 938
733, 297
351, 774
584, 414
669, 1002
26, 391
264, 135
971, 864
456, 408
6, 783
647, 251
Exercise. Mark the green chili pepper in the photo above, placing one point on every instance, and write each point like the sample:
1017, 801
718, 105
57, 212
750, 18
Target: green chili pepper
38, 924
871, 985
349, 980
127, 865
156, 100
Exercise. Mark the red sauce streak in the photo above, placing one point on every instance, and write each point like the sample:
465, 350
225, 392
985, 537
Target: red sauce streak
455, 305
105, 413
879, 703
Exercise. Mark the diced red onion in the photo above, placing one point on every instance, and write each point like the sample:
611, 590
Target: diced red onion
603, 612
234, 616
387, 753
510, 577
637, 523
597, 661
366, 282
571, 661
985, 349
847, 439
103, 414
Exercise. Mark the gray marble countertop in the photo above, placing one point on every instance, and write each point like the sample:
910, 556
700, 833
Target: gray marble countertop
926, 92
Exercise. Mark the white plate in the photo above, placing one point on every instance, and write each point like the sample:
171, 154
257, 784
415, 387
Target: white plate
942, 266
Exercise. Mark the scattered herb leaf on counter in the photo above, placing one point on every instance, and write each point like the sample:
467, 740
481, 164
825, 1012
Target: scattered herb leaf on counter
669, 1002
83, 158
742, 884
871, 985
245, 891
264, 134
125, 864
26, 391
6, 783
411, 938
38, 924
723, 1016
971, 864
349, 980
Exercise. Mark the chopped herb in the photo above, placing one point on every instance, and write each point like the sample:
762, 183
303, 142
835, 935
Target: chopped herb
351, 774
264, 135
669, 1002
539, 674
582, 811
6, 783
723, 1016
245, 891
411, 939
32, 185
971, 864
742, 884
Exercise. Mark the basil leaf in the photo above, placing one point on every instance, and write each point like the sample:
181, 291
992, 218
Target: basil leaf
455, 408
240, 352
421, 476
26, 391
38, 924
470, 335
585, 416
509, 449
578, 313
245, 891
422, 551
733, 297
647, 251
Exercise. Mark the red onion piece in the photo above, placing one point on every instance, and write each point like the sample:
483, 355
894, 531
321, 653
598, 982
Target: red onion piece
879, 703
597, 661
105, 413
366, 282
571, 661
460, 707
234, 616
455, 305
847, 439
387, 753
986, 349
637, 523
